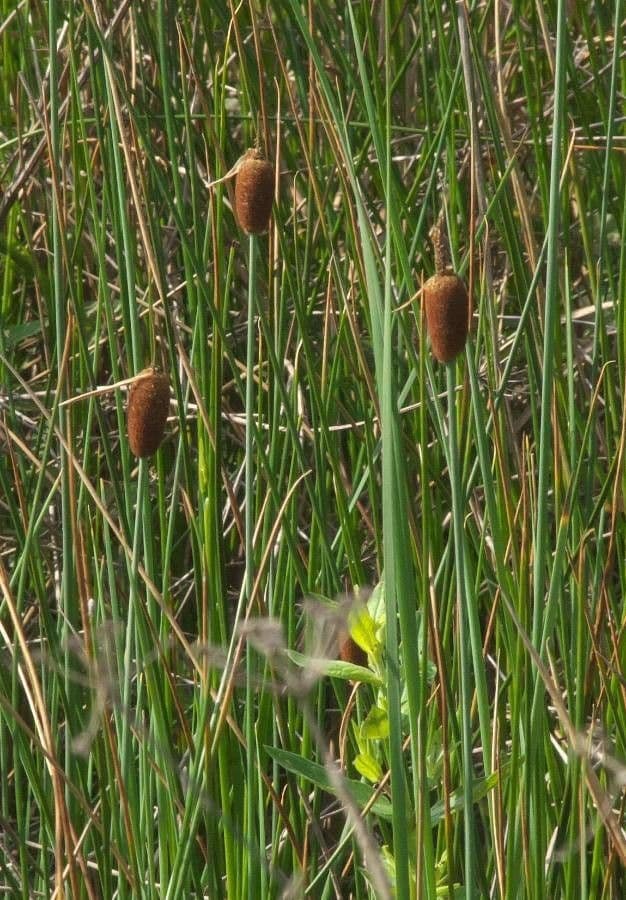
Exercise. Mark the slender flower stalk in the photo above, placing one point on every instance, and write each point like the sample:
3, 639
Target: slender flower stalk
462, 619
252, 798
447, 313
254, 191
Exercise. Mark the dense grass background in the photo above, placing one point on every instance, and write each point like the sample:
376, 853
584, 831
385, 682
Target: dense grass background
159, 734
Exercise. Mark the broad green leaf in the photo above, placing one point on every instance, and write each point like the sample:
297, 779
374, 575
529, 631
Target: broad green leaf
363, 630
317, 774
362, 793
335, 668
376, 603
376, 725
368, 767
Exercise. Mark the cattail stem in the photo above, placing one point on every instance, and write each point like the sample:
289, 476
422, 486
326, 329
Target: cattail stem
463, 632
253, 872
249, 448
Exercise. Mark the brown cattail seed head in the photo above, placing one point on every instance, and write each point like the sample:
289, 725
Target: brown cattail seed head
447, 310
254, 192
146, 415
350, 652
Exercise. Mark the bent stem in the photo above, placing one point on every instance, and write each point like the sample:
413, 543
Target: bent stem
466, 686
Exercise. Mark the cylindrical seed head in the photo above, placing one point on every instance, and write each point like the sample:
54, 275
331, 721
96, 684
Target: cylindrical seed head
254, 192
350, 652
146, 414
447, 310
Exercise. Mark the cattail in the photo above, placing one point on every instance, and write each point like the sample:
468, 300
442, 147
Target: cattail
447, 311
446, 302
254, 192
350, 652
146, 415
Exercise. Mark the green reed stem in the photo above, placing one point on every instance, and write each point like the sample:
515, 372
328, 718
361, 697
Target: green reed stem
466, 683
251, 759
